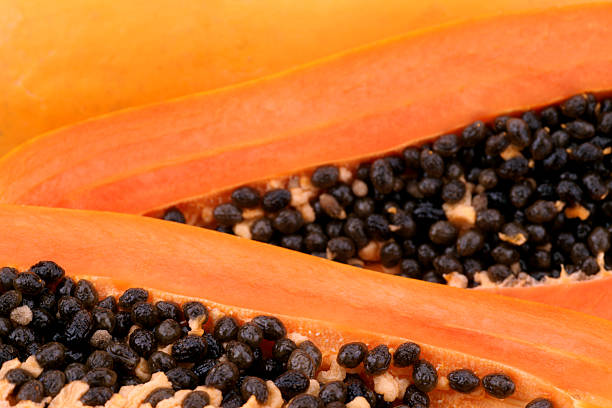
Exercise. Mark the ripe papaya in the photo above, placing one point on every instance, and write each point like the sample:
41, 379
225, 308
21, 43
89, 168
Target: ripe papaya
520, 350
358, 106
66, 63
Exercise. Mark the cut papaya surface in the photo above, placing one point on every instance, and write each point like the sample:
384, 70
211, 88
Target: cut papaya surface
547, 352
350, 108
63, 63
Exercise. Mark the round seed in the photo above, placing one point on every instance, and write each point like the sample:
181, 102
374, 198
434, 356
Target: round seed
261, 230
53, 381
300, 361
442, 233
157, 395
414, 397
351, 355
332, 392
377, 360
498, 385
28, 283
246, 197
143, 342
226, 329
254, 386
288, 221
97, 396
292, 383
276, 200
539, 403
48, 271
273, 328
381, 176
305, 401
223, 376
51, 355
32, 390
189, 348
406, 354
132, 296
463, 380
100, 377
86, 293
325, 176
196, 399
424, 375
175, 215
182, 378
227, 214
18, 376
518, 132
239, 354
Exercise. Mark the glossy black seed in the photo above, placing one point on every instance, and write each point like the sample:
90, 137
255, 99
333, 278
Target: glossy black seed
123, 355
305, 401
131, 296
403, 224
505, 254
453, 191
75, 371
232, 399
51, 355
291, 383
68, 306
288, 221
276, 200
129, 380
587, 153
261, 230
414, 397
443, 233
182, 378
446, 145
496, 144
425, 212
498, 385
424, 375
569, 192
406, 354
195, 310
97, 396
100, 377
189, 348
381, 176
351, 355
7, 275
333, 391
122, 324
227, 214
223, 376
226, 328
86, 293
21, 337
520, 194
580, 129
397, 164
7, 353
333, 229
104, 319
246, 197
214, 348
487, 178
390, 254
300, 361
28, 283
363, 207
9, 300
143, 342
157, 395
315, 242
18, 376
109, 303
518, 132
574, 107
599, 240
53, 381
594, 186
196, 399
532, 119
144, 314
79, 328
167, 332
429, 186
426, 255
100, 359
65, 287
411, 157
473, 134
447, 263
498, 272
48, 271
325, 176
539, 403
513, 168
240, 354
313, 351
463, 380
343, 194
5, 326
31, 391
377, 360
556, 160
469, 242
542, 145
254, 386
355, 387
161, 361
283, 348
432, 163
175, 215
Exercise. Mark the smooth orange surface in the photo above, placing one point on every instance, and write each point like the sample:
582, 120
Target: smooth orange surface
70, 60
351, 106
549, 351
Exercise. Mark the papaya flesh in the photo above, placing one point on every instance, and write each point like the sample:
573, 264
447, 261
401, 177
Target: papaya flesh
347, 108
62, 63
548, 352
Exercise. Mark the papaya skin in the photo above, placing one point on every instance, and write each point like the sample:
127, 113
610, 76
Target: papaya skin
62, 62
551, 352
190, 149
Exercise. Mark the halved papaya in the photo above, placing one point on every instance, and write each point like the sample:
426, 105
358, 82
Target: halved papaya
350, 108
63, 63
545, 352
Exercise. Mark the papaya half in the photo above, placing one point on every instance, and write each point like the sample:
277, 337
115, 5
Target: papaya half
520, 350
539, 216
68, 62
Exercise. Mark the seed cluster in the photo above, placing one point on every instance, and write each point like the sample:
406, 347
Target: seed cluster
108, 343
522, 194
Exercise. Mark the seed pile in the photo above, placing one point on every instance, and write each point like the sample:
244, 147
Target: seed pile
64, 334
522, 196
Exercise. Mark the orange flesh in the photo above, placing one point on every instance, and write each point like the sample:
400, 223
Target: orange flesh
384, 97
568, 354
62, 61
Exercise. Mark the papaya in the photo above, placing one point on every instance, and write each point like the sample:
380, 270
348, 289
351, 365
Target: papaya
349, 334
536, 213
62, 64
